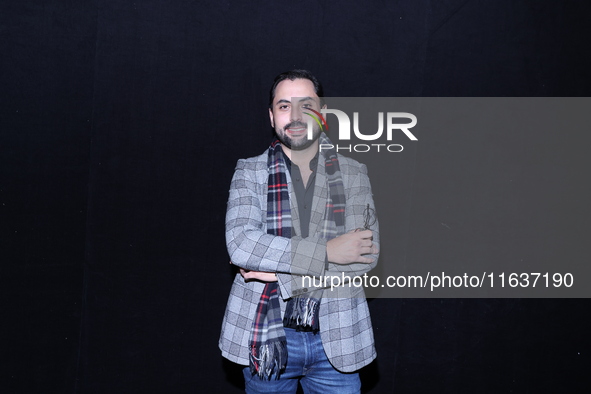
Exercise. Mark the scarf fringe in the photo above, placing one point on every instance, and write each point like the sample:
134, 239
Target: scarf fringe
269, 359
300, 312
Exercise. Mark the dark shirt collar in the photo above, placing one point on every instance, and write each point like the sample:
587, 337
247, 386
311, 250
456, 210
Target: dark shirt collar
313, 162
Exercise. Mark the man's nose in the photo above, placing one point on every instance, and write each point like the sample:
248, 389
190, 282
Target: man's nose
296, 113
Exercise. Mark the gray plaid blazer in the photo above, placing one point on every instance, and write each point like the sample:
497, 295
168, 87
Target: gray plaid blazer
345, 325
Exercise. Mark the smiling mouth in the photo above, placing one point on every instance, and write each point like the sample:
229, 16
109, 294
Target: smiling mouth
296, 130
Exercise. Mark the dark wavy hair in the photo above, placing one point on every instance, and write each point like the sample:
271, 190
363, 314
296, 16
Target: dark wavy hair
293, 75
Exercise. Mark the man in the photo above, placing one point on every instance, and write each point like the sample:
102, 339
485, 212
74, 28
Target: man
296, 212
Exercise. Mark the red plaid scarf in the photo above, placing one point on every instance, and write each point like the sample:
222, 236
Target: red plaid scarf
268, 346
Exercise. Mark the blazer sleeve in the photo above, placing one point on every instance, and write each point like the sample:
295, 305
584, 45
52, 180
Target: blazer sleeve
248, 243
358, 196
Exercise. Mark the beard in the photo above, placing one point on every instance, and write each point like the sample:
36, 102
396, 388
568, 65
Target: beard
300, 143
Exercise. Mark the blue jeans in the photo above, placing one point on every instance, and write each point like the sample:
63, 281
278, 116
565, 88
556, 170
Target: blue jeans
307, 364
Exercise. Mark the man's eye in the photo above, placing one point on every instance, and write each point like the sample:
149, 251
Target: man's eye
307, 106
283, 107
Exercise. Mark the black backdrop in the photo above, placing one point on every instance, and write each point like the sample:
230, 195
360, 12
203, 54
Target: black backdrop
121, 123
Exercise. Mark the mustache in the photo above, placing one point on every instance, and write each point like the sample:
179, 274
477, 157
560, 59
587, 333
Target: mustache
295, 124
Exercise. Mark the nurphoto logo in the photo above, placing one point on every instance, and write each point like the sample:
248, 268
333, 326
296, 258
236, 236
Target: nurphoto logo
392, 126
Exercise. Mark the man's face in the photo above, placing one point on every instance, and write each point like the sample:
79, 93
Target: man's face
288, 113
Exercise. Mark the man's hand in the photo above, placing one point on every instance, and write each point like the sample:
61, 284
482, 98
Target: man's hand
351, 248
257, 275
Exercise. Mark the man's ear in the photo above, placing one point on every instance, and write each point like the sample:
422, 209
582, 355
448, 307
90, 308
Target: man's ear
271, 118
